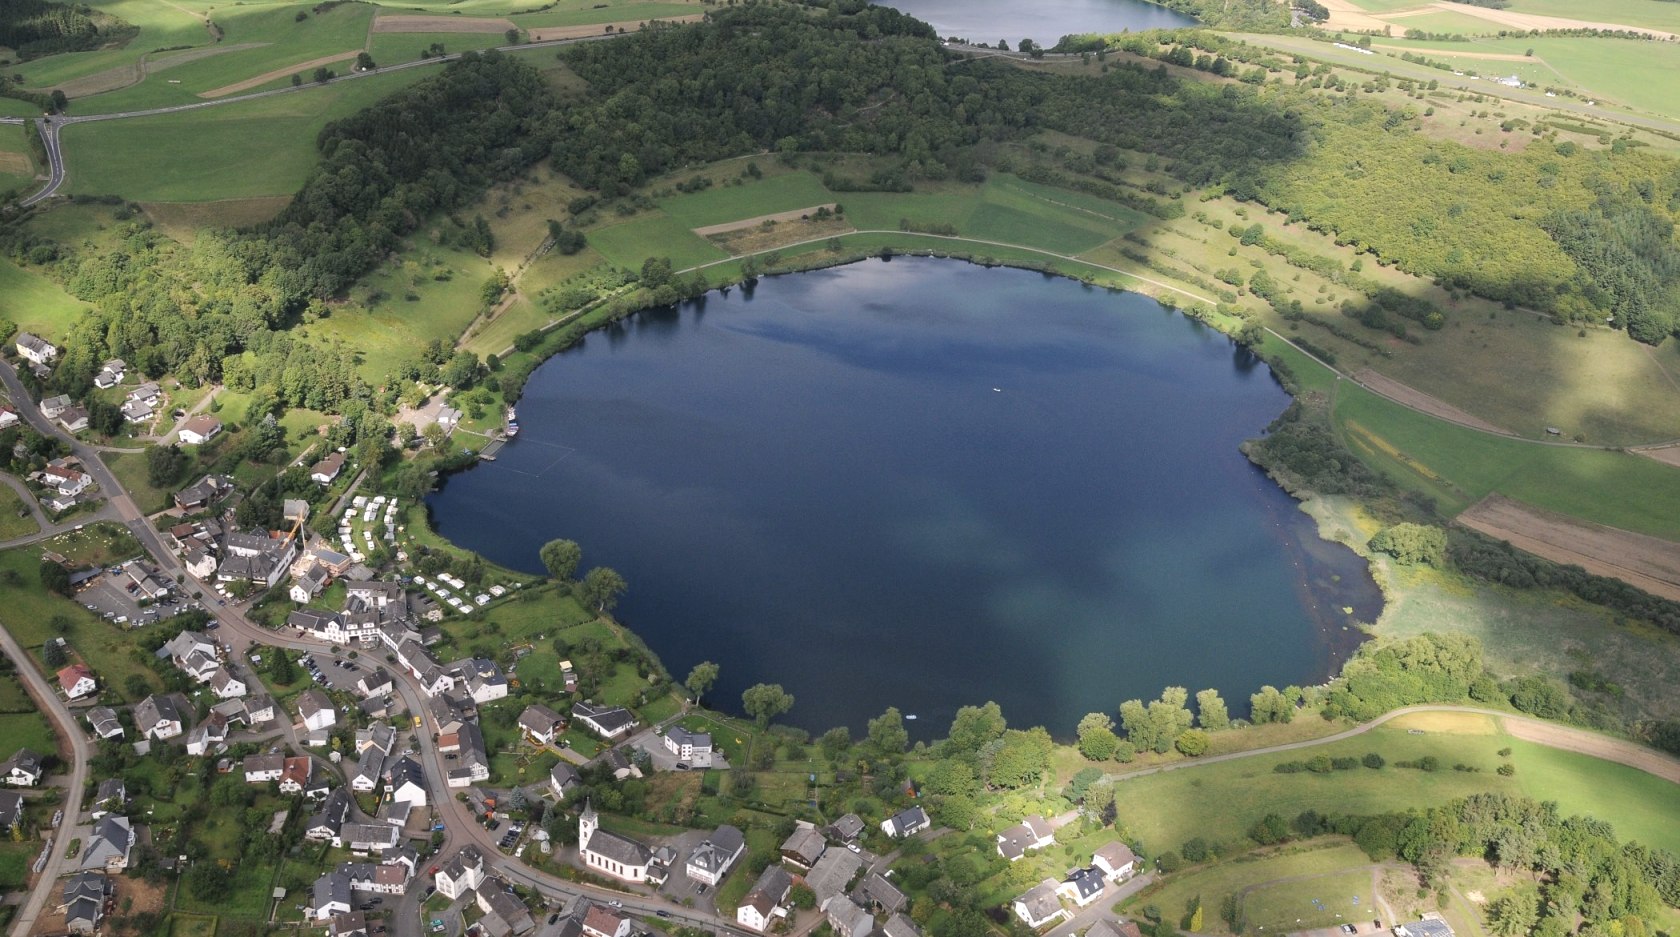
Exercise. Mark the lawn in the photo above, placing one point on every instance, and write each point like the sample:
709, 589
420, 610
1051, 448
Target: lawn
17, 166
35, 303
26, 730
1458, 466
130, 469
1220, 801
142, 160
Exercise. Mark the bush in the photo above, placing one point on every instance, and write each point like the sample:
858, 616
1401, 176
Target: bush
1169, 862
1373, 760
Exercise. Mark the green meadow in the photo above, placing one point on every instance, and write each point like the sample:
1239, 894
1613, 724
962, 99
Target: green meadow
1219, 802
36, 304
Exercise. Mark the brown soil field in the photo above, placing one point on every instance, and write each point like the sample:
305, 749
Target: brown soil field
1648, 563
744, 223
15, 163
1344, 15
418, 23
121, 76
1418, 400
277, 74
1666, 454
544, 34
1633, 755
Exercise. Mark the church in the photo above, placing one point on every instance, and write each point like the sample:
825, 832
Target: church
603, 851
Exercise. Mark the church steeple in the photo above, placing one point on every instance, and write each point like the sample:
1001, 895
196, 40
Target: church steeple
588, 821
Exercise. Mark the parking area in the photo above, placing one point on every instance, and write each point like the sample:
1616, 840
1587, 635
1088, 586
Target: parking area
337, 672
116, 598
679, 887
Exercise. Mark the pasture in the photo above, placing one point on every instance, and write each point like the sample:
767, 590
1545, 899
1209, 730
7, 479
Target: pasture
141, 159
15, 519
17, 166
36, 304
1219, 802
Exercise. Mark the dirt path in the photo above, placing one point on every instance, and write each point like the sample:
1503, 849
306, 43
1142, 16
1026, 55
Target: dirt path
1344, 15
1479, 56
746, 223
543, 34
1599, 746
1422, 402
277, 74
1645, 562
417, 23
1536, 21
1377, 895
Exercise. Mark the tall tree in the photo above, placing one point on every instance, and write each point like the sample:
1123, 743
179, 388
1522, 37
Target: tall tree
601, 589
1097, 740
561, 558
766, 701
887, 732
1211, 713
701, 678
974, 726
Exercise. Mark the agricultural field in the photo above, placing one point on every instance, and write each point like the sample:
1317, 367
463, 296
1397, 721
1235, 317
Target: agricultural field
17, 166
1637, 75
1219, 802
140, 160
15, 519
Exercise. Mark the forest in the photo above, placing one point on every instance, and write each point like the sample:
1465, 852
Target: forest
33, 28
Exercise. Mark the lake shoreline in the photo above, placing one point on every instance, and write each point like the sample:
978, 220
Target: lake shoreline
1338, 643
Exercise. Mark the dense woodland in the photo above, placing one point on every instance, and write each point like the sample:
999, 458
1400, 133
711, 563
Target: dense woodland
34, 28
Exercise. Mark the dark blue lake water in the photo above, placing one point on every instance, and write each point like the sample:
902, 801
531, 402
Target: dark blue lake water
924, 483
1042, 21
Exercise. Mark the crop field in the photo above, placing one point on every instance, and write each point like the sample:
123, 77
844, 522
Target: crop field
1459, 466
141, 158
1651, 14
35, 303
1641, 75
1220, 801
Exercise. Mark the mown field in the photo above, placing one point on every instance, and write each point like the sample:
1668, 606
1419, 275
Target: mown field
1638, 74
1219, 802
36, 304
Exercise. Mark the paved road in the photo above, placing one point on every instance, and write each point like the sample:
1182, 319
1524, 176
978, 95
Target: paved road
65, 724
55, 161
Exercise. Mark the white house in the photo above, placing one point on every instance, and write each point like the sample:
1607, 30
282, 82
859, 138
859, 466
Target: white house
200, 430
1082, 886
309, 585
1040, 906
562, 778
156, 717
23, 769
103, 720
316, 710
225, 685
609, 853
710, 861
108, 848
330, 896
692, 747
1032, 833
262, 769
326, 470
1115, 861
906, 822
609, 722
540, 724
462, 873
110, 374
36, 349
764, 901
77, 681
405, 782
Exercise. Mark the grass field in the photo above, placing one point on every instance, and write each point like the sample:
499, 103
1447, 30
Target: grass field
612, 11
1648, 13
1220, 801
395, 48
27, 730
655, 234
15, 519
36, 304
1321, 870
15, 859
1458, 466
130, 469
775, 193
17, 166
141, 160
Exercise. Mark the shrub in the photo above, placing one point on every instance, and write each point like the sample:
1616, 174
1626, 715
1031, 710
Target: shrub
1373, 760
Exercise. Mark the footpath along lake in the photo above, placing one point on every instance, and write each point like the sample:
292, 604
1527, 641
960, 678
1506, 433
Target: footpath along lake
1043, 21
924, 483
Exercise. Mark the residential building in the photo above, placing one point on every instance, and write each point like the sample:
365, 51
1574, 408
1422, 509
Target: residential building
764, 901
83, 901
309, 585
11, 813
225, 685
200, 429
847, 918
77, 681
330, 896
329, 820
1082, 886
804, 847
205, 736
73, 419
405, 782
1030, 834
692, 747
1040, 906
262, 769
1115, 860
203, 493
463, 872
109, 846
1430, 925
609, 722
877, 893
907, 822
562, 779
23, 769
502, 911
110, 797
846, 829
326, 471
316, 710
104, 721
35, 349
602, 921
710, 861
157, 717
541, 724
832, 873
